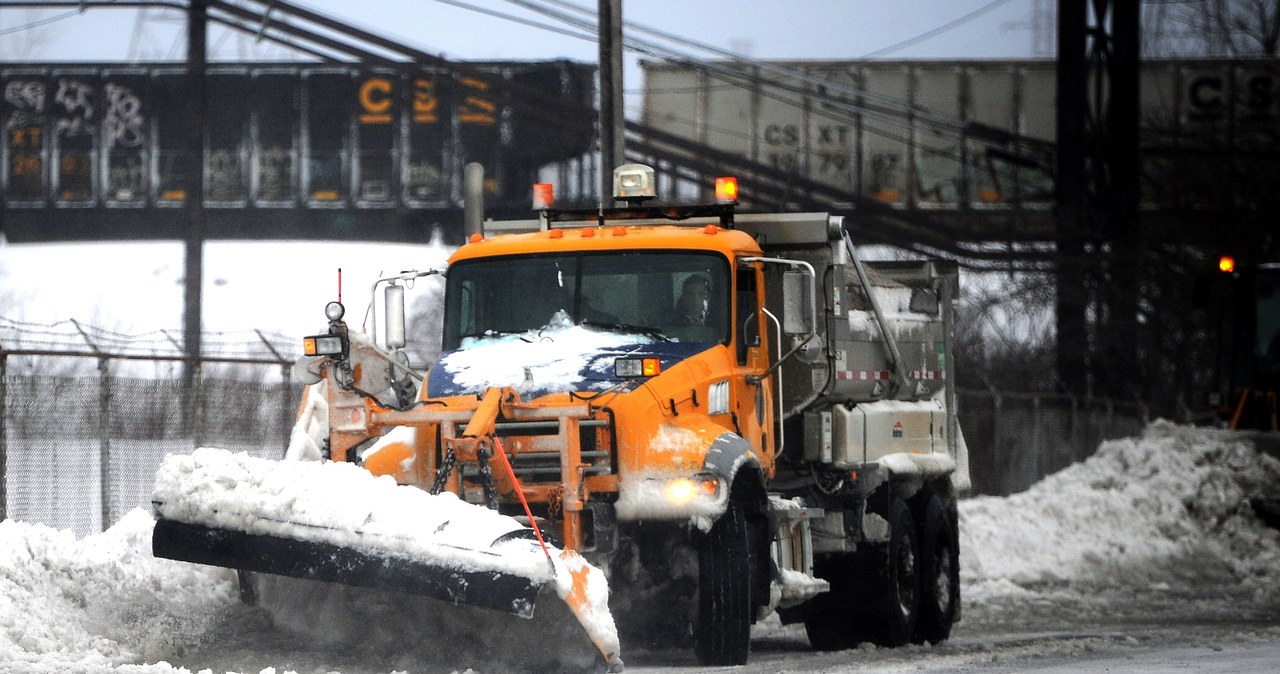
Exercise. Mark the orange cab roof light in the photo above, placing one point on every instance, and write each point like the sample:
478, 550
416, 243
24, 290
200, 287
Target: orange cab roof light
726, 190
544, 196
1226, 264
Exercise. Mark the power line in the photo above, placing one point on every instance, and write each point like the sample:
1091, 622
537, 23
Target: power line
43, 22
590, 36
930, 34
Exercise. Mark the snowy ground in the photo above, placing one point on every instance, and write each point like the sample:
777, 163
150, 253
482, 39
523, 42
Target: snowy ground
1146, 557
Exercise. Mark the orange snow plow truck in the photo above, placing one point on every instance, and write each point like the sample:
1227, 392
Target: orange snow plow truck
725, 415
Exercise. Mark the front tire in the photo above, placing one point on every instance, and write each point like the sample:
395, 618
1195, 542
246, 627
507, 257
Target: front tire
722, 628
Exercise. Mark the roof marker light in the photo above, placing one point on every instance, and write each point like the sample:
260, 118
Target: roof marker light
726, 190
544, 196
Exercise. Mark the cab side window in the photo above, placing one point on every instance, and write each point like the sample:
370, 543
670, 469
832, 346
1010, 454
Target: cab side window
747, 323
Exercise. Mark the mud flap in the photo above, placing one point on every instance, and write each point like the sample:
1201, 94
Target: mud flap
345, 565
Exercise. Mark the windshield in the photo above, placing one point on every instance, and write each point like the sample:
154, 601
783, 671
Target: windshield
676, 296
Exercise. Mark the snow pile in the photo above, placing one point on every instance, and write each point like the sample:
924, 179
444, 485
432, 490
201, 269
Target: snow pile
1168, 509
103, 601
342, 504
550, 358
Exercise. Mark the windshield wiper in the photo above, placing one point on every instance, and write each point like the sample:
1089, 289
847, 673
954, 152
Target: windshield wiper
625, 327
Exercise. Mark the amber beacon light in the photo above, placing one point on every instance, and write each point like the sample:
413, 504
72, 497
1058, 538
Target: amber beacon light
726, 190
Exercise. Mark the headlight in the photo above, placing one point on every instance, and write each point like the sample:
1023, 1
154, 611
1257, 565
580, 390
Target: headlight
334, 311
683, 490
323, 345
636, 367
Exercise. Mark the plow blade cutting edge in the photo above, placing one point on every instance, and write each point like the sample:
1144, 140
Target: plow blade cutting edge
346, 565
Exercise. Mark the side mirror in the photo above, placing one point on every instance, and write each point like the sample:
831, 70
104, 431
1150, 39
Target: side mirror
394, 303
797, 303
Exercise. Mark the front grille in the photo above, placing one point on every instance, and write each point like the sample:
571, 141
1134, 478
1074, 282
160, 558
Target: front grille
540, 461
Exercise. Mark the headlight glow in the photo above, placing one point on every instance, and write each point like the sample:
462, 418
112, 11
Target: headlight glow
681, 491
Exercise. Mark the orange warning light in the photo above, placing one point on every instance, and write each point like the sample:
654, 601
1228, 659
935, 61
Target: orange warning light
1226, 264
544, 195
727, 190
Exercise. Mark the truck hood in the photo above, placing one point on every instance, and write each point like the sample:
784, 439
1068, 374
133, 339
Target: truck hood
554, 359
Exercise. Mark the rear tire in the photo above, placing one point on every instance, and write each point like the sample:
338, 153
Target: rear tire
874, 592
722, 628
939, 573
895, 595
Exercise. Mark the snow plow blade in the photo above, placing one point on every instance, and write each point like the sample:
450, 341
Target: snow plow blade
346, 565
336, 522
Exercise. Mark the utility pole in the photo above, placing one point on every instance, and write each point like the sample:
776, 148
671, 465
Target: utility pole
612, 142
193, 158
1099, 238
1070, 279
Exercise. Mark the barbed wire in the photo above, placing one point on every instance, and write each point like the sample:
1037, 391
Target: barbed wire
71, 335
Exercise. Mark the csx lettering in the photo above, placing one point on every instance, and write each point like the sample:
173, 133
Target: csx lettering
474, 109
1208, 97
424, 102
1260, 94
1206, 93
375, 100
833, 135
782, 134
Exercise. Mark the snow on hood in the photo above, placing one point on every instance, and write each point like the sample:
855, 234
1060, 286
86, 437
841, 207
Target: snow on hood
1167, 509
560, 356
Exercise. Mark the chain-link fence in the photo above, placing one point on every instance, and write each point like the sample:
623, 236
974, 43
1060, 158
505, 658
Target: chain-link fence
78, 452
1015, 439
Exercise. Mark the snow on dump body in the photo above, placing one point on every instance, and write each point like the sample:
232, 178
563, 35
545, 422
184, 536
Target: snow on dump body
341, 504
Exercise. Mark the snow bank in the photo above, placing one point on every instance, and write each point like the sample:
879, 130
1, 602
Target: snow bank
100, 603
1168, 509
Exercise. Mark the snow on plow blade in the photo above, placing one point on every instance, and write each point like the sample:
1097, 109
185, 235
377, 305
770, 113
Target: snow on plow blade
336, 522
